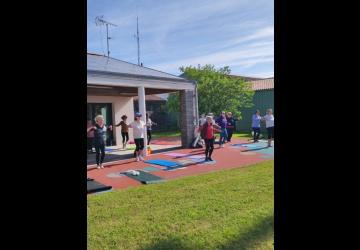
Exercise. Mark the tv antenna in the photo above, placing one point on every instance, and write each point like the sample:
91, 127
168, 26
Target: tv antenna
99, 20
138, 39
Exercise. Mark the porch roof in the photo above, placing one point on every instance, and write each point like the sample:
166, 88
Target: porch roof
104, 71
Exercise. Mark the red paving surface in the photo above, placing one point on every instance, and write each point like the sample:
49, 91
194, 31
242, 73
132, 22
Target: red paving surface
226, 158
176, 140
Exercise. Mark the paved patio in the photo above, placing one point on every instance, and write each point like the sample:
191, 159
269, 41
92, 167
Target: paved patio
238, 153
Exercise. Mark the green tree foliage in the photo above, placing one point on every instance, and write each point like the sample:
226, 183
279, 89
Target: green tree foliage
173, 103
217, 91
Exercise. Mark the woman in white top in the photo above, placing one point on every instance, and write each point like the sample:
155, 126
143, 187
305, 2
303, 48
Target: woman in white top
269, 121
138, 127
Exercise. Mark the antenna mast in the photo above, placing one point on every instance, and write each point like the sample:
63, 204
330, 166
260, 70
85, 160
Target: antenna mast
138, 39
99, 20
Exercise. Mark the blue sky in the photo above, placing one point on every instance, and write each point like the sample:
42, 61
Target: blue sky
235, 33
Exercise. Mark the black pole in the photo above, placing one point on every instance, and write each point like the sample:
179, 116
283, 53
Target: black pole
107, 38
138, 42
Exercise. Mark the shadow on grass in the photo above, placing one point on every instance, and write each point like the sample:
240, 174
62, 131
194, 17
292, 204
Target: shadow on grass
248, 240
259, 233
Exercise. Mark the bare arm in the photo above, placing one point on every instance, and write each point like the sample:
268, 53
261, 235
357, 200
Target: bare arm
91, 128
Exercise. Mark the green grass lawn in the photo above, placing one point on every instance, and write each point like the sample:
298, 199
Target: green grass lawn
227, 209
165, 134
242, 135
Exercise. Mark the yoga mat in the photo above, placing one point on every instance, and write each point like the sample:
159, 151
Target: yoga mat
184, 162
247, 145
110, 149
174, 168
176, 154
247, 153
94, 186
198, 160
264, 150
196, 156
164, 163
151, 169
209, 162
145, 178
267, 156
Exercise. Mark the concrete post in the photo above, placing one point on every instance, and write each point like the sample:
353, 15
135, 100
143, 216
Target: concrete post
187, 106
142, 110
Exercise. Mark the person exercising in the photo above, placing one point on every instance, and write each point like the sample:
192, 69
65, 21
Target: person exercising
99, 139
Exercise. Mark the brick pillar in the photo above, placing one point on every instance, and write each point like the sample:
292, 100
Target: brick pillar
187, 109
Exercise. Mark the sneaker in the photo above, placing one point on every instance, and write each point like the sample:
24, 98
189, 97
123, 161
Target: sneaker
101, 166
210, 159
98, 166
206, 159
141, 158
137, 159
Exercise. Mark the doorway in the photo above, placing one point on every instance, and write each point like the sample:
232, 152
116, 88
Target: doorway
104, 109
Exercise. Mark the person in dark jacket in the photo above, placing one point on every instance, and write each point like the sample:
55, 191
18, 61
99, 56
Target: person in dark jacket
207, 132
222, 122
230, 126
99, 139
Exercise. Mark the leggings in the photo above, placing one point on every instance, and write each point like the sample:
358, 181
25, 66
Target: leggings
90, 143
148, 136
100, 152
125, 136
139, 142
223, 136
209, 147
270, 133
256, 133
230, 132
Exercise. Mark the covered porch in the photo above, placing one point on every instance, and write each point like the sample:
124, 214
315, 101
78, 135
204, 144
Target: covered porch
116, 83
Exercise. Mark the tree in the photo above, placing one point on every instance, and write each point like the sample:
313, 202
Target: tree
217, 91
173, 102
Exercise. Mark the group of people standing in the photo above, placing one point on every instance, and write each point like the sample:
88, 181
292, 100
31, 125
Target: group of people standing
208, 126
269, 123
97, 132
225, 125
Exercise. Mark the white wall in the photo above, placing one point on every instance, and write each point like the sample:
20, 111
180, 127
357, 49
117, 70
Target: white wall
120, 106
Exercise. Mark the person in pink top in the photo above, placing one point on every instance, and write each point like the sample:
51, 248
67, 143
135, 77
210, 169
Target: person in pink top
207, 132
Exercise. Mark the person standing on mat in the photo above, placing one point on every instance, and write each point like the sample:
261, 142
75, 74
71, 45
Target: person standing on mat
255, 124
90, 137
149, 124
221, 121
138, 127
99, 139
124, 130
230, 126
207, 132
269, 121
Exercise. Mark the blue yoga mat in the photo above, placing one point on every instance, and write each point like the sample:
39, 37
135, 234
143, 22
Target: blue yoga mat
163, 163
173, 168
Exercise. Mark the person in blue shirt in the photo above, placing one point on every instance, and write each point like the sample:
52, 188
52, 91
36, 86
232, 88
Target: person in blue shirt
256, 119
222, 122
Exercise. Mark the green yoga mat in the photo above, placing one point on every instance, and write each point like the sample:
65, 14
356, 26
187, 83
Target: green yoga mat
145, 178
94, 187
